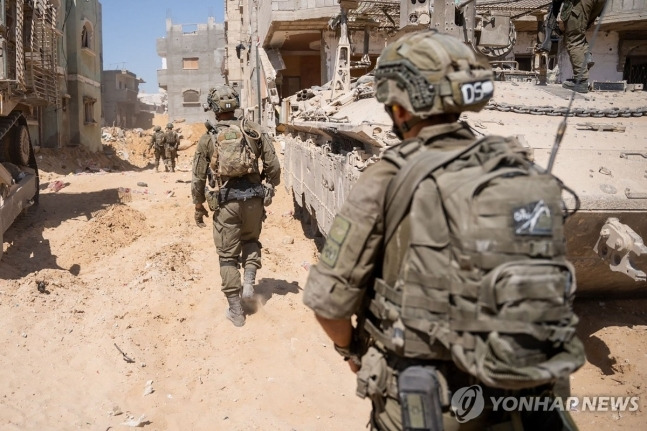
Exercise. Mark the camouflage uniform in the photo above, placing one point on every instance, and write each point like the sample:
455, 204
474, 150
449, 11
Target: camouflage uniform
172, 142
578, 15
339, 281
236, 223
157, 144
342, 286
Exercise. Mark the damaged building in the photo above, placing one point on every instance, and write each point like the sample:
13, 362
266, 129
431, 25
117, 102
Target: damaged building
74, 117
119, 90
192, 62
276, 48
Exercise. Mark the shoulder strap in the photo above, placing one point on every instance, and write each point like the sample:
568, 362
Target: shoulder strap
399, 193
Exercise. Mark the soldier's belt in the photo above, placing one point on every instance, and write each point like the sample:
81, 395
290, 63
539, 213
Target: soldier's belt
229, 194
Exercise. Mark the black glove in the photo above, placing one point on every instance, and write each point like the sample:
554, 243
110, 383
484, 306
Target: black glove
268, 194
200, 212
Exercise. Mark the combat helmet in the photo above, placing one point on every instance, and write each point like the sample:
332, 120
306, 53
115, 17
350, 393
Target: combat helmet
430, 73
222, 98
169, 126
157, 128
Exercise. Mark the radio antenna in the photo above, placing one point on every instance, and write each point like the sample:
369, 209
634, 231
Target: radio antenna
562, 126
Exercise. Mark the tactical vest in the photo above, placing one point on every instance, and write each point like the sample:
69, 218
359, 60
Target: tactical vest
232, 157
158, 139
171, 138
481, 279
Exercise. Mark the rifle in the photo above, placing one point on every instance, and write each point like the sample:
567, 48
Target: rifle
550, 25
210, 127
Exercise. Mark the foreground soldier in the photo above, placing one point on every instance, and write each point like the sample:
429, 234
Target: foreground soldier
449, 253
157, 144
172, 142
229, 154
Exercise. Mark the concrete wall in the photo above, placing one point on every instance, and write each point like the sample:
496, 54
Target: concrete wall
204, 42
605, 55
622, 11
237, 33
119, 98
83, 67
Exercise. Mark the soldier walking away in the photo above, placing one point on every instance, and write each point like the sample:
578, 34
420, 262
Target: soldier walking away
578, 15
227, 175
157, 144
172, 142
434, 279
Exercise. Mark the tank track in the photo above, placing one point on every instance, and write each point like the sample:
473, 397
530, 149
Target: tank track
563, 111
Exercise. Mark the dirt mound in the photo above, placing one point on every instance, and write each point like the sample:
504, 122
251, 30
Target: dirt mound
169, 265
44, 282
108, 230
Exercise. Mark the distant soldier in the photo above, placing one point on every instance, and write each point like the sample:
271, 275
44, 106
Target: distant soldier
228, 156
157, 144
172, 142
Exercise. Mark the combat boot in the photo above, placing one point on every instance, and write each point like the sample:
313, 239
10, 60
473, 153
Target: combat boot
248, 283
235, 311
578, 86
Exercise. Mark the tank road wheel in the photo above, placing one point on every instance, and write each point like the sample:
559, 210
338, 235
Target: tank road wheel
20, 146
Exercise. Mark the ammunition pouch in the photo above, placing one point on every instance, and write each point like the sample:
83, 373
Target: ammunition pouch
212, 200
228, 194
268, 190
373, 378
419, 392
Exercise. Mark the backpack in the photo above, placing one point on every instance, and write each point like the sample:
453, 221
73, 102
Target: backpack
233, 156
485, 283
170, 138
158, 139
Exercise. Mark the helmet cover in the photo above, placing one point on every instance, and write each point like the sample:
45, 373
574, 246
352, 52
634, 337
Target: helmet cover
430, 73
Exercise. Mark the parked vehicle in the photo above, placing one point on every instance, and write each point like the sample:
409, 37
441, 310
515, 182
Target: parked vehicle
331, 133
28, 80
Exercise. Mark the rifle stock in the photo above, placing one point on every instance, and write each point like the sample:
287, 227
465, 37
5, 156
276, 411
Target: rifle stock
550, 24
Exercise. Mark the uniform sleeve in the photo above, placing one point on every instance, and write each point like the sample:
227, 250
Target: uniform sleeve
337, 282
201, 160
271, 165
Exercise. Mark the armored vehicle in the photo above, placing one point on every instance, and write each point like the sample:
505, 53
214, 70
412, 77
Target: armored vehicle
28, 43
330, 136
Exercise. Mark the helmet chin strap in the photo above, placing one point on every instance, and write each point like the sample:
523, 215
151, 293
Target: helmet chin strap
404, 127
408, 125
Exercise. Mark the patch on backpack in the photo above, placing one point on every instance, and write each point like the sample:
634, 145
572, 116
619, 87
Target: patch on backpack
534, 218
336, 238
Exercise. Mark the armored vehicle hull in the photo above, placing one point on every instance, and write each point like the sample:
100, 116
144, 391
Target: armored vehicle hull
603, 158
28, 85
